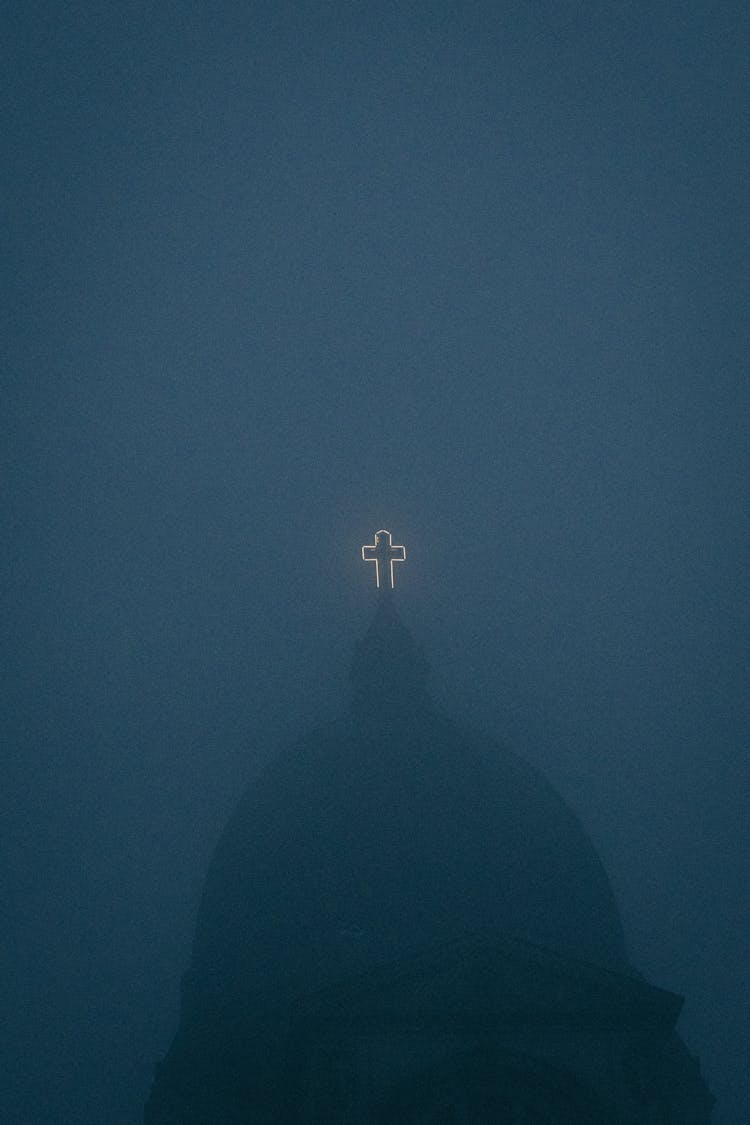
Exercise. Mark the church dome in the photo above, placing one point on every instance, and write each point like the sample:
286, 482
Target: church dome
390, 832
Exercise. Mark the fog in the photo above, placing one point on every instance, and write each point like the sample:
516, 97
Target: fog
278, 275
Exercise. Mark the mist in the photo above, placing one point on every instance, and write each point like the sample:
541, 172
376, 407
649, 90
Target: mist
279, 275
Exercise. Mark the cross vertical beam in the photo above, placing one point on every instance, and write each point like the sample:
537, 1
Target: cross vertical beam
384, 553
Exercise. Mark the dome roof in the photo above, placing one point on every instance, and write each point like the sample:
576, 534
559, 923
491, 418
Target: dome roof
392, 831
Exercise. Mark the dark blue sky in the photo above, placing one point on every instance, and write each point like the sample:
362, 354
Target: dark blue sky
277, 275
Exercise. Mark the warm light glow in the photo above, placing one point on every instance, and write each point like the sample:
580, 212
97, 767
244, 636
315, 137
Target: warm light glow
385, 552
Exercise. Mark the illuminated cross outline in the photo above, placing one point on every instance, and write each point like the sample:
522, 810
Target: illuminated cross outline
383, 553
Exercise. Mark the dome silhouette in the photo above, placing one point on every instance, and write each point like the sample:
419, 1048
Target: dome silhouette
393, 830
404, 923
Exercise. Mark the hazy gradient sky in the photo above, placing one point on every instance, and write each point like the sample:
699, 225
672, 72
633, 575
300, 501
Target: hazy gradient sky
277, 275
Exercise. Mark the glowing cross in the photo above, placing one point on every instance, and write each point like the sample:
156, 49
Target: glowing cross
383, 553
